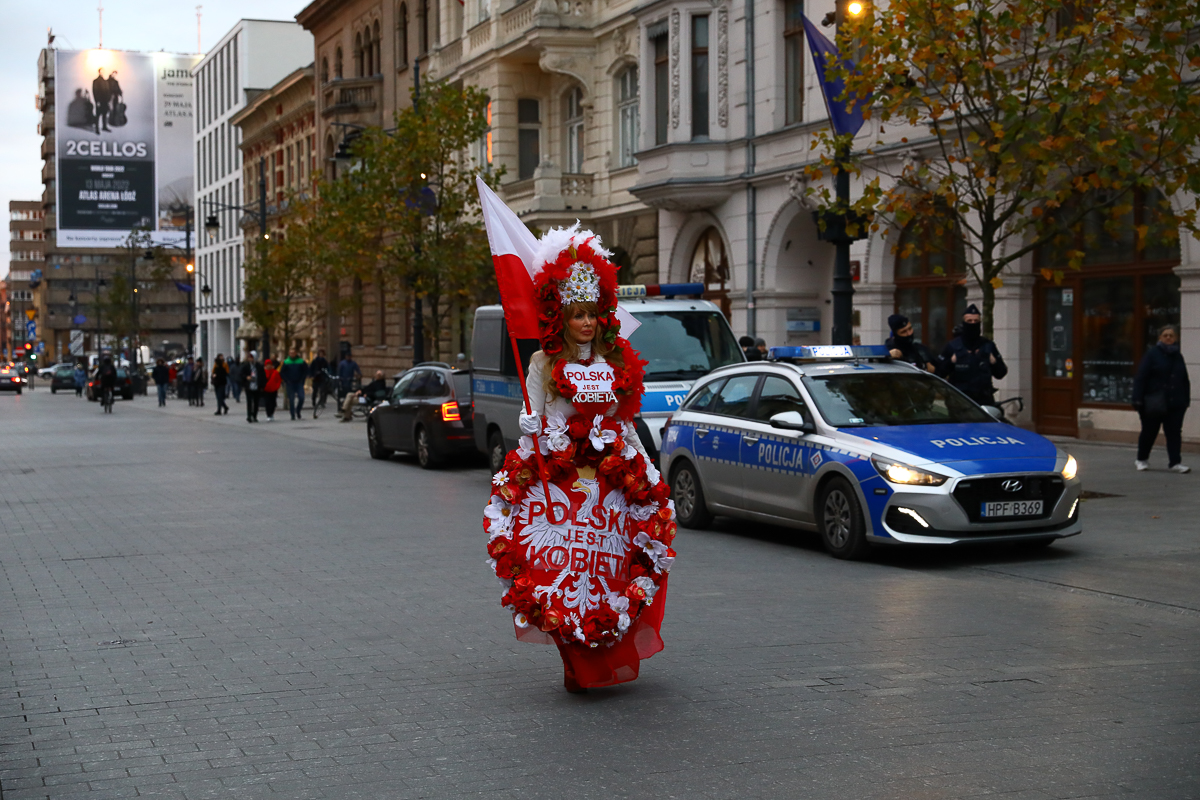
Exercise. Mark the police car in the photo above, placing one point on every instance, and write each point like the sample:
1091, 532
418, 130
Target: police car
681, 338
864, 450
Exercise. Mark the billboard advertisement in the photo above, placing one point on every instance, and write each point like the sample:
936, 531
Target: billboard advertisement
123, 145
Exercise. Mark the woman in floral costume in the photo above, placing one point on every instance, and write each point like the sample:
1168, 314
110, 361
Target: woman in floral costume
580, 524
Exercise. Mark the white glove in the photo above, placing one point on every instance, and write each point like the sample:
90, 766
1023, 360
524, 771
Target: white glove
530, 423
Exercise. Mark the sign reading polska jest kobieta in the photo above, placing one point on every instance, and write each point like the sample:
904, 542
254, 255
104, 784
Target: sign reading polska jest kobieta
123, 145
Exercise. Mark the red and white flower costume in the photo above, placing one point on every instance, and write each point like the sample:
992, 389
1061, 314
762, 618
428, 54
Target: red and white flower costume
585, 568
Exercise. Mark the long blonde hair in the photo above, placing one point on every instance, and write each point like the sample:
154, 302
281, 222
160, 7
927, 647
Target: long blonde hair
570, 349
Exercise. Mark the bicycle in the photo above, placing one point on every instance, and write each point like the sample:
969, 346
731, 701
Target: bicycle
323, 385
1000, 404
106, 399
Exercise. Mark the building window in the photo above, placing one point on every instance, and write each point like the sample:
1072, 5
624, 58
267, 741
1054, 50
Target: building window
700, 77
402, 34
337, 64
573, 122
423, 27
662, 89
376, 51
484, 10
931, 278
529, 134
628, 128
793, 55
483, 156
358, 55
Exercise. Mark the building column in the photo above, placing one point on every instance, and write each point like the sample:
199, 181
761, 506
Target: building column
1189, 338
1013, 333
874, 303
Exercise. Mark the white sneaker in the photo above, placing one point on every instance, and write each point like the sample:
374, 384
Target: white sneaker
1142, 466
1180, 468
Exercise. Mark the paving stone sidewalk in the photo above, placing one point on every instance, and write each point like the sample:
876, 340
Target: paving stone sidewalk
193, 607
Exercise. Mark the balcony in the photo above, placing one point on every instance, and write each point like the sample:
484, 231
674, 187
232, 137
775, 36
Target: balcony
688, 176
352, 96
576, 189
48, 170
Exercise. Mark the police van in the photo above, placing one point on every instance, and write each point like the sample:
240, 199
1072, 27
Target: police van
865, 451
682, 339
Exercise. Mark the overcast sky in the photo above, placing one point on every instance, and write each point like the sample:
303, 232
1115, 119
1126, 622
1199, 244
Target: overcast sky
128, 25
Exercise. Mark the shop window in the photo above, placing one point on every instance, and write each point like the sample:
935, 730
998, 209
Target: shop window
931, 278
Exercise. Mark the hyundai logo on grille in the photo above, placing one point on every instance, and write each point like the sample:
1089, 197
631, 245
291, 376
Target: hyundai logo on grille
1012, 485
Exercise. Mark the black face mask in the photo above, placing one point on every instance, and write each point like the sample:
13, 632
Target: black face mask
971, 332
903, 341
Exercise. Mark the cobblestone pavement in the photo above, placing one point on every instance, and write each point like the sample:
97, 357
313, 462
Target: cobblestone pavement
191, 607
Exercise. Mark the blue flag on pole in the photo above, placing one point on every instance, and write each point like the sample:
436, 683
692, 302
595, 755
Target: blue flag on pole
823, 52
183, 287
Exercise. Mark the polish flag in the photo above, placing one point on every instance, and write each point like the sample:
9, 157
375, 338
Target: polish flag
513, 248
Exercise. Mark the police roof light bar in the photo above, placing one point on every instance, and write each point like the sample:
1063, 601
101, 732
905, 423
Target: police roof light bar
835, 352
635, 291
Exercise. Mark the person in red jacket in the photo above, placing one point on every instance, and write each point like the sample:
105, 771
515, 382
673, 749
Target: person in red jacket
270, 391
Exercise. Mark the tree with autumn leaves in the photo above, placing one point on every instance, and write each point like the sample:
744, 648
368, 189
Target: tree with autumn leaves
405, 216
1026, 117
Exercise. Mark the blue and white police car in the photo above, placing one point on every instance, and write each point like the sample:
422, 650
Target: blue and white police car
866, 451
681, 338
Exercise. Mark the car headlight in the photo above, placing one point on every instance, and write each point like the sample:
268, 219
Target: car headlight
1070, 468
896, 472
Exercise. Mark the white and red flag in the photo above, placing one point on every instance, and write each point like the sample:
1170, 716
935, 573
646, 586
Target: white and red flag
513, 248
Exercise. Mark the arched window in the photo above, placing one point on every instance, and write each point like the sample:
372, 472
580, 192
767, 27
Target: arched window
710, 266
423, 27
402, 35
931, 276
330, 164
358, 55
376, 59
337, 64
628, 117
573, 123
324, 70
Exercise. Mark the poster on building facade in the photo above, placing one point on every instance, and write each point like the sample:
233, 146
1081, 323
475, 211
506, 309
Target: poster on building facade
123, 145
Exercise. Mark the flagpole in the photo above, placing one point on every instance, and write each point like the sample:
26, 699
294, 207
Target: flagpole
537, 451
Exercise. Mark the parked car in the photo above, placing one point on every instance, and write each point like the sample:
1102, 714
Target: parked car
63, 377
11, 379
47, 370
124, 387
866, 452
427, 413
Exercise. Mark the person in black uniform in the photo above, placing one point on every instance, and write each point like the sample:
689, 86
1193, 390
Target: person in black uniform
970, 361
748, 348
902, 344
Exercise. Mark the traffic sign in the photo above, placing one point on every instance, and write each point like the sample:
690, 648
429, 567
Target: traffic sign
76, 346
30, 313
31, 329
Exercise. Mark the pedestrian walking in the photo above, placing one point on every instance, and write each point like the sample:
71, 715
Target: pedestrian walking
318, 370
294, 372
970, 361
347, 370
270, 388
199, 382
161, 375
253, 378
583, 390
220, 384
185, 380
173, 378
80, 379
1162, 393
235, 382
903, 346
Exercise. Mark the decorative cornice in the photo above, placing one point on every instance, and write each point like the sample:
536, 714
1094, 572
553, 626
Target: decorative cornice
675, 68
723, 66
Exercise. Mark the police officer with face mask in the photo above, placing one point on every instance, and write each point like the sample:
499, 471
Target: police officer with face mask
903, 346
970, 361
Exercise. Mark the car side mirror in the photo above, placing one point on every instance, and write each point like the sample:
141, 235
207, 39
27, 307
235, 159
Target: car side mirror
792, 421
995, 413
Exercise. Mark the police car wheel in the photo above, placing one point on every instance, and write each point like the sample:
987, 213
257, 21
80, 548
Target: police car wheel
496, 451
374, 443
843, 530
688, 495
